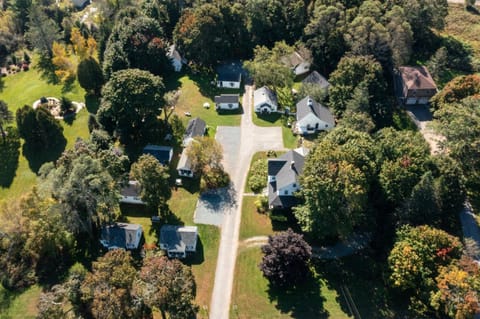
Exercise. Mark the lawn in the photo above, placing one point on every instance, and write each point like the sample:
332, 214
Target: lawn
252, 297
21, 305
24, 88
253, 223
195, 91
465, 26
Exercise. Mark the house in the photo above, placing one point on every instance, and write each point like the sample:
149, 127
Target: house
227, 102
80, 3
312, 117
316, 78
184, 166
283, 178
130, 194
229, 75
121, 236
195, 127
176, 58
299, 61
414, 85
178, 240
163, 154
264, 100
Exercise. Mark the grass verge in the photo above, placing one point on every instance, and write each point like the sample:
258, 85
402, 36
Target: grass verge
253, 223
19, 305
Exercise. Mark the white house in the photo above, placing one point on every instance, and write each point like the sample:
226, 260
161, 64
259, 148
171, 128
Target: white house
178, 240
227, 102
312, 117
229, 75
184, 167
264, 100
130, 194
176, 58
283, 178
195, 127
121, 236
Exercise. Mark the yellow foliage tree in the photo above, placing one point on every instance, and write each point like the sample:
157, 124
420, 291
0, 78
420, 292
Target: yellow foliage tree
64, 67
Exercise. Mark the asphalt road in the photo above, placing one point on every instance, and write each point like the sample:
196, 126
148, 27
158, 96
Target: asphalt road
236, 162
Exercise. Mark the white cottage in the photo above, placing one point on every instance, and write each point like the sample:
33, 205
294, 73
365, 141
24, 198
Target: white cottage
264, 100
177, 241
175, 57
312, 117
227, 102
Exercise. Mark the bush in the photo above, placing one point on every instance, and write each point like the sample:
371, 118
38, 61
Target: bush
257, 180
214, 178
261, 203
66, 105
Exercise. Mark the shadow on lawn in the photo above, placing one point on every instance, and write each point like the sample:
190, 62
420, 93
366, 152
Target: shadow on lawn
10, 151
198, 257
303, 301
37, 157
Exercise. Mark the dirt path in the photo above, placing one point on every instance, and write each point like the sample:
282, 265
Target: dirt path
252, 139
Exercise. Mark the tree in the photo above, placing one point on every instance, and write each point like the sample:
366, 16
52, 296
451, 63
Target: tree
458, 285
267, 68
169, 286
364, 72
108, 288
131, 102
21, 9
257, 180
401, 35
136, 42
324, 35
456, 90
401, 157
334, 191
42, 31
64, 66
415, 259
90, 76
154, 181
52, 304
6, 117
285, 260
437, 64
39, 128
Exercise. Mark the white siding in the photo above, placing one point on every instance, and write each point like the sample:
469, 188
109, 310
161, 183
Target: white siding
310, 124
226, 84
227, 106
177, 65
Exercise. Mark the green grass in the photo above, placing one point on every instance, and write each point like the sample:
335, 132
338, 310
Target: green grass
289, 139
252, 297
464, 25
267, 120
24, 88
14, 305
253, 223
195, 91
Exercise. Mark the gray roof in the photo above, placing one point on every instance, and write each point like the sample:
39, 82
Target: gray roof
316, 78
308, 105
173, 53
120, 234
287, 169
131, 189
178, 237
264, 95
161, 153
230, 71
226, 98
184, 161
195, 127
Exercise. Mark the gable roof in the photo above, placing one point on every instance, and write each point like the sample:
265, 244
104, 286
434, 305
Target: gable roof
417, 78
184, 161
162, 153
226, 98
287, 170
264, 95
308, 105
178, 237
230, 71
195, 127
120, 235
297, 57
316, 78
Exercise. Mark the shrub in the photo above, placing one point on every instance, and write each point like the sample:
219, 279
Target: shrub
257, 180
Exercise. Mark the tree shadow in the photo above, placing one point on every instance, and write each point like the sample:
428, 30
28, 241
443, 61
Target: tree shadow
472, 9
92, 103
68, 85
69, 118
283, 219
10, 152
36, 156
302, 301
172, 81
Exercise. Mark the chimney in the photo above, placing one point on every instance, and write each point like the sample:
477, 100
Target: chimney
310, 102
292, 164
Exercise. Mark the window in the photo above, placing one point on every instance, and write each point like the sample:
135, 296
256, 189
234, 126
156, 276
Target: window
230, 105
316, 125
294, 185
286, 192
232, 84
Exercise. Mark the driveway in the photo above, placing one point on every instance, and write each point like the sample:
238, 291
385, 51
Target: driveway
238, 152
422, 117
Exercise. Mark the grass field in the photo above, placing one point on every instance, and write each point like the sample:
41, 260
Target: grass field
21, 305
253, 223
464, 25
195, 91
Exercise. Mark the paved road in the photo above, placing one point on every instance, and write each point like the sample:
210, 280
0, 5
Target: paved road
236, 162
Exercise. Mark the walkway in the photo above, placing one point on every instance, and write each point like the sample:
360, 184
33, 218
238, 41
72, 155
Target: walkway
252, 139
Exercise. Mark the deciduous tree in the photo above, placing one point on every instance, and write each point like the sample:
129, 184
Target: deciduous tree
285, 260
